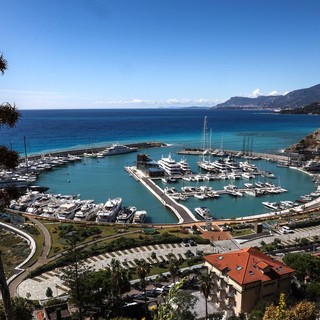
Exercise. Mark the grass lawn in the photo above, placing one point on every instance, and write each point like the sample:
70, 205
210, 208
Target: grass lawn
58, 243
242, 232
14, 250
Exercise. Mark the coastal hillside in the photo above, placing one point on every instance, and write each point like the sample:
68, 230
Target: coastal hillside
313, 108
308, 145
293, 99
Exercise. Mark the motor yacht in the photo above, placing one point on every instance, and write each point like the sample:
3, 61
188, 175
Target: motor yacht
118, 149
170, 166
126, 215
109, 211
140, 216
203, 212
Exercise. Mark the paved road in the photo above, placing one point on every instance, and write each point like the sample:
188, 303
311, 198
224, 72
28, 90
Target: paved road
43, 259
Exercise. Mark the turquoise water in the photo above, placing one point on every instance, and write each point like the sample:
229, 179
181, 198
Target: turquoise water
51, 130
104, 178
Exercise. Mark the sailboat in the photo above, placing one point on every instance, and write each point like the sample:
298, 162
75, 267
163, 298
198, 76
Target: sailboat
204, 162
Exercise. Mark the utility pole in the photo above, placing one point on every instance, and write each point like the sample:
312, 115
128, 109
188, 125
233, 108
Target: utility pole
8, 310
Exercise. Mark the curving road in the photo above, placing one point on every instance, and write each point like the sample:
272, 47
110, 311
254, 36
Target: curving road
42, 260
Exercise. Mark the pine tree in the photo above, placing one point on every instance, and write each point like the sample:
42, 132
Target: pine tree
75, 276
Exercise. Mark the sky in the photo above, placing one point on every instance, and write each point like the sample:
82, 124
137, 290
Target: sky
155, 53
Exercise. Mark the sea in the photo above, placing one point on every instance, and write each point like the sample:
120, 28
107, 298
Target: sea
48, 131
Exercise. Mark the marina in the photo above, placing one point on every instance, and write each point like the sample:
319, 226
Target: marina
101, 178
229, 174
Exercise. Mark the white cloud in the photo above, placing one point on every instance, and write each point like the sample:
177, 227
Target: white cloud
274, 93
52, 100
255, 93
158, 103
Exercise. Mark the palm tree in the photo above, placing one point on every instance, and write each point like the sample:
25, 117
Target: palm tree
120, 281
3, 64
173, 267
23, 308
9, 115
7, 305
206, 285
142, 270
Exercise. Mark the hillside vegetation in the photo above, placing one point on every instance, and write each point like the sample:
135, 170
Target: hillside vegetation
313, 108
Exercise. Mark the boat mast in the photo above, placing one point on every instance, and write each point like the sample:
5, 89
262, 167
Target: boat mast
204, 134
221, 142
25, 152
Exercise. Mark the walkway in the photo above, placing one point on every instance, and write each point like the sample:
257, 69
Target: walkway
286, 239
37, 286
183, 214
41, 261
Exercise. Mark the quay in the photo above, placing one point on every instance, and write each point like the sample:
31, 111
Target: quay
79, 152
265, 156
183, 214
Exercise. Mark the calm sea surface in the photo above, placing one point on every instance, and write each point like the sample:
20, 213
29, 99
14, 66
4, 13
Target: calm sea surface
46, 131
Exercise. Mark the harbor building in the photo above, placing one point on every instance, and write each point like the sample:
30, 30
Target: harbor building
149, 167
242, 278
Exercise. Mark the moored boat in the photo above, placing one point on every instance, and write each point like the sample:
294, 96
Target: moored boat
126, 214
203, 212
118, 149
109, 211
140, 216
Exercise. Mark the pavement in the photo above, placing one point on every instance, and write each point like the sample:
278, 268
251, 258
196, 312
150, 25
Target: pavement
36, 287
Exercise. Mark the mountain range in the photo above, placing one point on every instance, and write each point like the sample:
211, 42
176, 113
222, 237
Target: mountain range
293, 99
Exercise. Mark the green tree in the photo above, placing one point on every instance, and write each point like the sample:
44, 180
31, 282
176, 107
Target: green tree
173, 267
22, 309
9, 115
119, 282
75, 276
304, 265
142, 270
8, 310
206, 285
49, 292
9, 159
177, 305
312, 291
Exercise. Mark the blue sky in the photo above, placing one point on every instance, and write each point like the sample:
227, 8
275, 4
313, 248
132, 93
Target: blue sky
139, 53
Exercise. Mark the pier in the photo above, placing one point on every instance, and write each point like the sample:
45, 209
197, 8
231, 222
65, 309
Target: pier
265, 156
183, 214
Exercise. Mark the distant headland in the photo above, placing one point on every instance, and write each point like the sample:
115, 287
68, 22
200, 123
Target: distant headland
294, 99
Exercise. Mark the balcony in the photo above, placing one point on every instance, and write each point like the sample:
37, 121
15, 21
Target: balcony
222, 305
221, 295
231, 301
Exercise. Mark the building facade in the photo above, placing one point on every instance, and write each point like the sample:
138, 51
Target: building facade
242, 278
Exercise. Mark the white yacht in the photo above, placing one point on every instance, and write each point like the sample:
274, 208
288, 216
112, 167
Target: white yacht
140, 216
203, 212
68, 209
109, 211
87, 211
207, 165
118, 149
247, 166
185, 168
170, 166
126, 215
271, 205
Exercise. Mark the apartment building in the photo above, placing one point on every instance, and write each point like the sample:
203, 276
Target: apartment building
241, 278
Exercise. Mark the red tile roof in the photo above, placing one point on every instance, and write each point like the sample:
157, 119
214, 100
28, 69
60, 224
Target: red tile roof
248, 265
